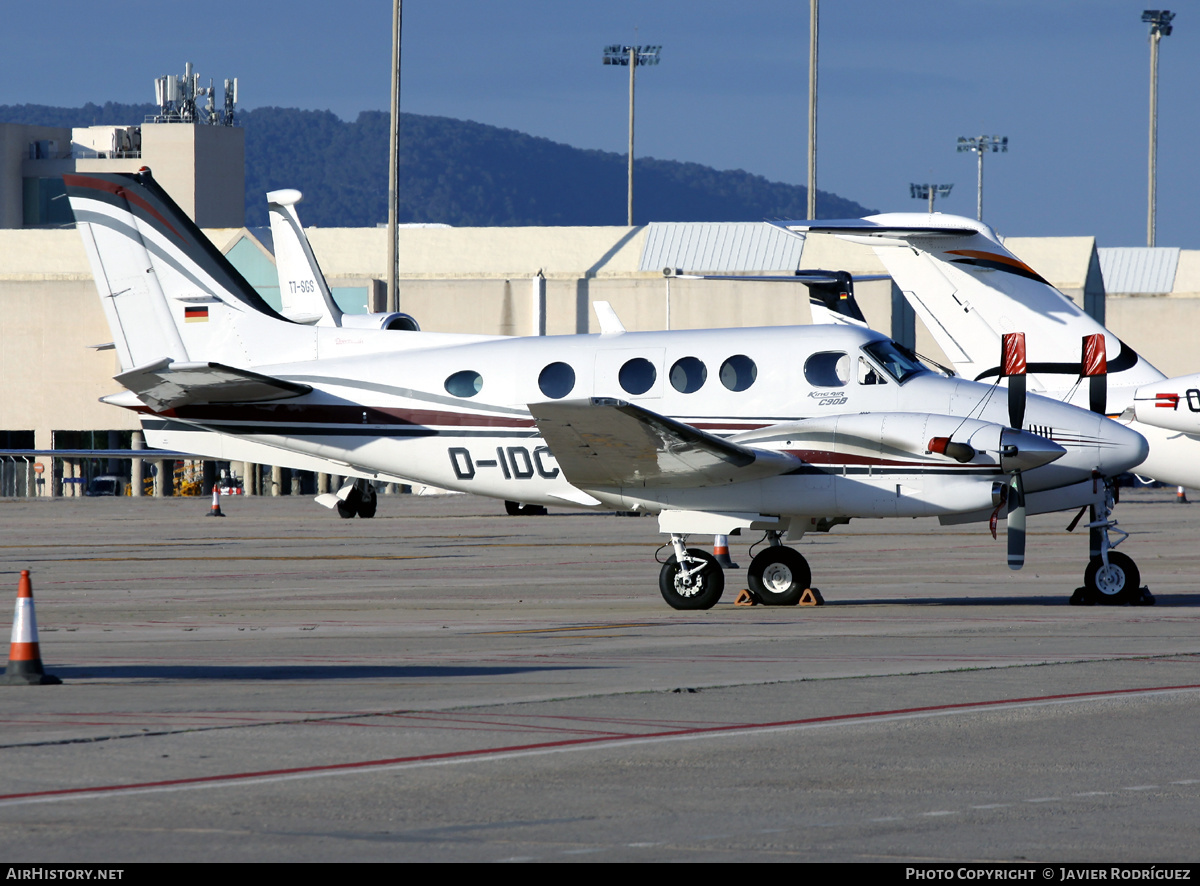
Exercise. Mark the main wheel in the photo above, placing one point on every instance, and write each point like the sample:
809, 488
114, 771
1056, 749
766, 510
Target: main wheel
779, 576
1119, 582
349, 508
369, 502
700, 590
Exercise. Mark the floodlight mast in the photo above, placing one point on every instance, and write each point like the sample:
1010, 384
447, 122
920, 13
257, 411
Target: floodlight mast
981, 145
814, 17
392, 296
631, 56
1160, 26
928, 192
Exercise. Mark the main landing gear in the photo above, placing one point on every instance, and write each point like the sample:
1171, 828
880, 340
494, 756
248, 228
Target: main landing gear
1111, 577
519, 509
361, 502
692, 578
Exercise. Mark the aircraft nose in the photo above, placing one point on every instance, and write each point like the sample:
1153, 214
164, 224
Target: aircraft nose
1022, 450
1120, 448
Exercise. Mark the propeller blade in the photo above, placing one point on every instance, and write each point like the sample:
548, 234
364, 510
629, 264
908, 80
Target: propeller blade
1094, 366
1012, 367
1016, 523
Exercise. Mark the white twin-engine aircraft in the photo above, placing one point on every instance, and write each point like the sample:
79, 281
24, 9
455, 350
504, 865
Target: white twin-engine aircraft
782, 430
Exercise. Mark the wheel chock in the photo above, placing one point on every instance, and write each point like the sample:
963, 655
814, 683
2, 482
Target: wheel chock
1146, 598
746, 597
811, 597
1081, 598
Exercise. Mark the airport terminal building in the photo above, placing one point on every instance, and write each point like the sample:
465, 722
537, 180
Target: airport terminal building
468, 280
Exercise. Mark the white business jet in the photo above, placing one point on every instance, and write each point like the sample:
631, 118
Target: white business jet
304, 294
780, 429
970, 292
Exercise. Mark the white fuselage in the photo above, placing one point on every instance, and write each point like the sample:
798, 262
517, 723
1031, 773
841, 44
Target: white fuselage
401, 414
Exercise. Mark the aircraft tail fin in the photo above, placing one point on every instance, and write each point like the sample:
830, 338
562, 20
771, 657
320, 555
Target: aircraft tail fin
831, 297
302, 288
167, 291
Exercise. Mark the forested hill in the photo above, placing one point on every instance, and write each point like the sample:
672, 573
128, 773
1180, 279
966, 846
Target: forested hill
464, 173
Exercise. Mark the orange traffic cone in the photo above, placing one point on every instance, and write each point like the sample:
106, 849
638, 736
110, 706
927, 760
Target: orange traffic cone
1181, 496
24, 657
721, 551
215, 510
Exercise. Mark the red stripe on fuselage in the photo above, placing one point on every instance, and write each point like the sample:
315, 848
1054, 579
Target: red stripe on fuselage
823, 457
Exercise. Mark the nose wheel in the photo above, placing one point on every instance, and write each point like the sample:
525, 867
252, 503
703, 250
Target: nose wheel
1116, 583
1111, 577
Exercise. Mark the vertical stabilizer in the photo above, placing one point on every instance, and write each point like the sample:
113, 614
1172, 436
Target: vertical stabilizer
167, 291
302, 288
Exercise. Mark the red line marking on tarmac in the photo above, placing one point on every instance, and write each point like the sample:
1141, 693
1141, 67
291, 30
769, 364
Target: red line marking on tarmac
562, 744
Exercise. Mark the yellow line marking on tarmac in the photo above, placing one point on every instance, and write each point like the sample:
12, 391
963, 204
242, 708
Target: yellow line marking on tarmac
208, 540
223, 558
574, 628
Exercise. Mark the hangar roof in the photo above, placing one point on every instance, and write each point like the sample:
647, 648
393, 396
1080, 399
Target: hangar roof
726, 247
1139, 269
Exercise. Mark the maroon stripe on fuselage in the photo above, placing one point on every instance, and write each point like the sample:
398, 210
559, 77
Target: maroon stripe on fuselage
341, 415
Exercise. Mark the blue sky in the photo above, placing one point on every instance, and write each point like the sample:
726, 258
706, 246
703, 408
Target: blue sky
1066, 80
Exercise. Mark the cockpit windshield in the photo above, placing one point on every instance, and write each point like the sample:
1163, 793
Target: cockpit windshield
897, 361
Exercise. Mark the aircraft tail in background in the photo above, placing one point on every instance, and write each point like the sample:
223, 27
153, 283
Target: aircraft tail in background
969, 290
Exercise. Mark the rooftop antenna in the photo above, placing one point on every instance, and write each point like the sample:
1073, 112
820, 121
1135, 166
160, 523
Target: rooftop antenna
176, 97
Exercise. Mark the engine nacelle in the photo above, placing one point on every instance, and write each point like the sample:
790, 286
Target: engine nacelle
1173, 403
394, 320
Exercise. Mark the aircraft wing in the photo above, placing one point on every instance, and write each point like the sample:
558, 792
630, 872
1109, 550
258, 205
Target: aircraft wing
167, 384
606, 443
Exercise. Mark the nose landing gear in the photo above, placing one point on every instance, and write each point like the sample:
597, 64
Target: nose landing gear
691, 578
1111, 577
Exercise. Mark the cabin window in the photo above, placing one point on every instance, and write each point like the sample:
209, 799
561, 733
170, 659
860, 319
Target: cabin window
557, 380
637, 375
467, 383
688, 375
827, 369
738, 372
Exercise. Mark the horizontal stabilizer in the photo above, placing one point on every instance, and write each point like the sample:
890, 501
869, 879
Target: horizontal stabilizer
167, 384
894, 225
605, 443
